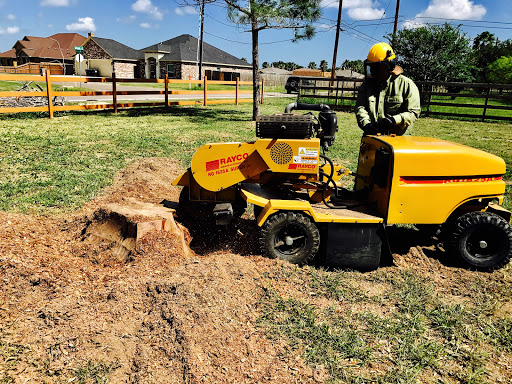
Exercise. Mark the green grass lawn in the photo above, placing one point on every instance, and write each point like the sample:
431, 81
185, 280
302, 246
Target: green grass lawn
50, 166
16, 85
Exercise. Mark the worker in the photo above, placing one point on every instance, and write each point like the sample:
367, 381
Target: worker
387, 101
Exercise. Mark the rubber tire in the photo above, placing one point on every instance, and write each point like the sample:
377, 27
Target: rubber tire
284, 224
471, 228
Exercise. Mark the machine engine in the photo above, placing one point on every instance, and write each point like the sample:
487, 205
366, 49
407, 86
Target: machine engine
293, 126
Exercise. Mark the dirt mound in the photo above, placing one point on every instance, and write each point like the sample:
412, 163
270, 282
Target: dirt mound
148, 180
84, 296
111, 293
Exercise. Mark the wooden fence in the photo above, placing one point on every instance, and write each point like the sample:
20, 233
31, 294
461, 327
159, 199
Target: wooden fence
115, 105
437, 98
34, 69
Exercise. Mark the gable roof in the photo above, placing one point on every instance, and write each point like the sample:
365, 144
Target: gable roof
117, 50
58, 46
184, 48
11, 54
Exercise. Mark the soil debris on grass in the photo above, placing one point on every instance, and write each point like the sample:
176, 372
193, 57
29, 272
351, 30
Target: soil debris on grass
73, 308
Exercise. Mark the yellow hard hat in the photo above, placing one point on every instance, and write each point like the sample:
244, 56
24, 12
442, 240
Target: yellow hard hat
381, 52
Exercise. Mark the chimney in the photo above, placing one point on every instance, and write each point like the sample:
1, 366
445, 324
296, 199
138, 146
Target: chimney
91, 34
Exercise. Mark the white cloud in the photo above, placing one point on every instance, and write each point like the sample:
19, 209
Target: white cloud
11, 17
55, 3
183, 11
126, 20
145, 25
412, 24
146, 6
448, 9
85, 24
358, 9
9, 30
365, 13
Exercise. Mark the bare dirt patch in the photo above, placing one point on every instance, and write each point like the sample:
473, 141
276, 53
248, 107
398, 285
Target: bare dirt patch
79, 307
73, 307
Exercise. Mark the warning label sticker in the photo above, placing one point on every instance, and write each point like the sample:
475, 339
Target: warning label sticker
305, 160
308, 152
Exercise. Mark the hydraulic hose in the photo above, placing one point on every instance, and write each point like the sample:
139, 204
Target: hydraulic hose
306, 107
330, 163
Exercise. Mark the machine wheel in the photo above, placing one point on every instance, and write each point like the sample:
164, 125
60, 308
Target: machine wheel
290, 236
482, 239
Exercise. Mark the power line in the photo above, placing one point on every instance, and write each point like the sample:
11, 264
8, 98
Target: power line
245, 43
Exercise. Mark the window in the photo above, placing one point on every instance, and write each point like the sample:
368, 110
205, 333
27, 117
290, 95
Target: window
170, 70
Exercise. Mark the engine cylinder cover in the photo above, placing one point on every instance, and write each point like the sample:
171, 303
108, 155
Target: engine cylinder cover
285, 126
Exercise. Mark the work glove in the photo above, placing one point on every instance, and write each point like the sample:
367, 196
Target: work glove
370, 129
386, 123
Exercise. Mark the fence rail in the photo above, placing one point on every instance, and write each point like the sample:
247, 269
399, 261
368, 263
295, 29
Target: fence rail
115, 105
438, 98
34, 69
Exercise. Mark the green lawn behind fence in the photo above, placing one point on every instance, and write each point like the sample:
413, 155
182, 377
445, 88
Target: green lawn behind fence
56, 165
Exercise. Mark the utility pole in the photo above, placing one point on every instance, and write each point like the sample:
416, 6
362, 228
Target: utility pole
201, 41
333, 73
396, 17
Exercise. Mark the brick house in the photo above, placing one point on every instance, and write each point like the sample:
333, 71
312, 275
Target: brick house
108, 56
58, 49
178, 59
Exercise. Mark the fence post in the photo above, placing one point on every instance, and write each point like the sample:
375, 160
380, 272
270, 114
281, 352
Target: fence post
49, 93
114, 91
166, 91
430, 90
236, 91
486, 101
262, 91
205, 90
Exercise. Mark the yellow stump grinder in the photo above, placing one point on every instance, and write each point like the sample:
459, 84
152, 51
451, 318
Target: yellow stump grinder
303, 212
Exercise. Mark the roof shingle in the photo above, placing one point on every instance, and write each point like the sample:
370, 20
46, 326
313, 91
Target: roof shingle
184, 48
117, 50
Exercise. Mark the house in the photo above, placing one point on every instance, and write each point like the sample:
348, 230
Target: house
58, 48
275, 76
178, 59
8, 58
108, 56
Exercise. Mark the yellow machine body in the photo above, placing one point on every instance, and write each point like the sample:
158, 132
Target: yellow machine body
304, 211
421, 180
216, 167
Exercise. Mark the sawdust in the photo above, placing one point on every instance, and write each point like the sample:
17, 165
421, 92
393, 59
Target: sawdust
157, 316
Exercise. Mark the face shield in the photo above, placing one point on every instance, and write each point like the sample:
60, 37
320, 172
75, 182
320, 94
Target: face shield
377, 71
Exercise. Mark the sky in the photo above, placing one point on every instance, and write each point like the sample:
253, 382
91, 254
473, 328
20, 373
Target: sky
141, 23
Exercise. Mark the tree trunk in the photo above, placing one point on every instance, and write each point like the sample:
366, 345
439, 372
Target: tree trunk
255, 72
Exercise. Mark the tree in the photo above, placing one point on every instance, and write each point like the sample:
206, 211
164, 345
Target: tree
312, 65
324, 65
265, 65
272, 14
434, 53
500, 71
354, 65
487, 49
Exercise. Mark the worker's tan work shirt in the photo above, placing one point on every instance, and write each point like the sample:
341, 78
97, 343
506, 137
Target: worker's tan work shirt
399, 98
